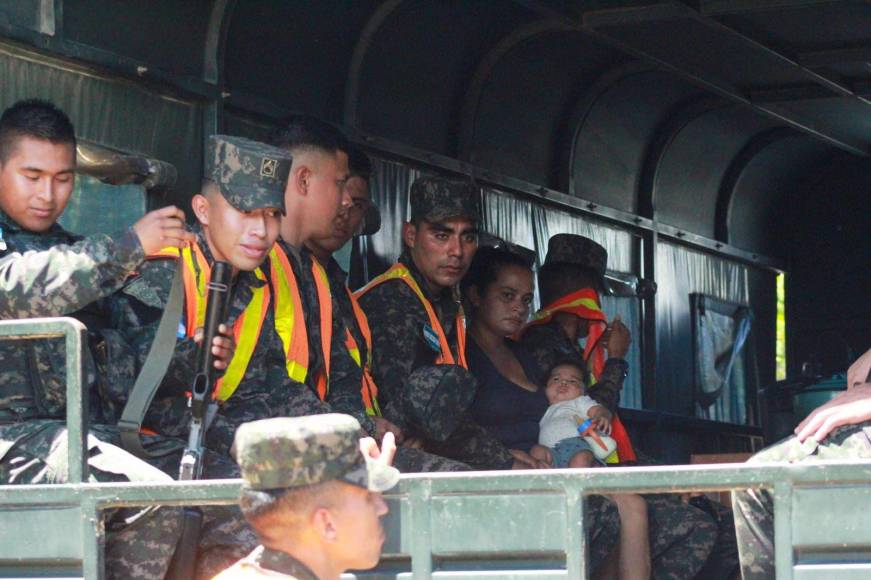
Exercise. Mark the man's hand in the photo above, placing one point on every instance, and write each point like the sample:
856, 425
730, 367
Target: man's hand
618, 340
161, 228
385, 454
223, 346
383, 427
523, 460
848, 408
860, 371
602, 424
542, 454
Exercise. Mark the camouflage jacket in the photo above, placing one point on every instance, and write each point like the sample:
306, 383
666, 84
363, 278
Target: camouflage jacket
397, 318
345, 376
54, 274
547, 344
265, 390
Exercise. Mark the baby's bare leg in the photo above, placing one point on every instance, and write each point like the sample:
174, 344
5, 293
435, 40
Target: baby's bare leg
581, 459
634, 563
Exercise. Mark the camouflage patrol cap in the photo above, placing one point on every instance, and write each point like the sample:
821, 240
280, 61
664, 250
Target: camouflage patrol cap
292, 452
436, 397
250, 175
436, 199
578, 250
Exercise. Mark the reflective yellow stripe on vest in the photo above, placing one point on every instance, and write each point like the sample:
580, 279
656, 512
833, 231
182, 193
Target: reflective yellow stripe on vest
290, 321
246, 328
288, 311
400, 272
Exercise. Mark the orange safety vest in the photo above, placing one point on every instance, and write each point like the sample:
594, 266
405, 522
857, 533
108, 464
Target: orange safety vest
288, 310
399, 272
369, 389
196, 273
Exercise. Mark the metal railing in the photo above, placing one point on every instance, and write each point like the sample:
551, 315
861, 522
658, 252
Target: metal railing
472, 523
74, 333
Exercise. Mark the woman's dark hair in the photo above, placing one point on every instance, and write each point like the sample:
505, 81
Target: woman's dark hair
567, 361
487, 265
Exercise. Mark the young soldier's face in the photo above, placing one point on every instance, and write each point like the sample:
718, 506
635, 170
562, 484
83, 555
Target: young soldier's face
241, 238
442, 251
36, 182
320, 178
348, 222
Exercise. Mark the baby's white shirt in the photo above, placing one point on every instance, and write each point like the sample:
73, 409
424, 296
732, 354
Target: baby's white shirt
559, 422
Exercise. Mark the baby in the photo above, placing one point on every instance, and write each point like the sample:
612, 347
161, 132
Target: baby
559, 438
559, 426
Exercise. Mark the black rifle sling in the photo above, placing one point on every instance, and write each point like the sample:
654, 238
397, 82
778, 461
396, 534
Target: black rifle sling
154, 369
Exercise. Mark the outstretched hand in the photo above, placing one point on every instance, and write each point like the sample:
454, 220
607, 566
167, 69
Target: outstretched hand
849, 408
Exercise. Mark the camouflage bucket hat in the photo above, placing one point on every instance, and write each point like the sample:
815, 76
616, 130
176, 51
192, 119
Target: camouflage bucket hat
293, 452
436, 397
578, 250
436, 199
250, 175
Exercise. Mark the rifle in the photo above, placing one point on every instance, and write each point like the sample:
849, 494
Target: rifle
203, 409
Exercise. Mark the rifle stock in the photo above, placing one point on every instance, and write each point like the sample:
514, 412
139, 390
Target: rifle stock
183, 565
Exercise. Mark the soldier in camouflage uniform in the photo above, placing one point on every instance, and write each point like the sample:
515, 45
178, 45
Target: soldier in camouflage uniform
361, 218
307, 482
840, 429
439, 243
686, 541
46, 271
238, 213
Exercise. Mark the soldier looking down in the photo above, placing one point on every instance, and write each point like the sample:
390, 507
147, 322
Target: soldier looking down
47, 271
238, 214
312, 491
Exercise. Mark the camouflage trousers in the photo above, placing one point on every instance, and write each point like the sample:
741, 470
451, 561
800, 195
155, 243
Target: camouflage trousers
603, 529
139, 543
695, 540
681, 537
754, 509
473, 445
225, 536
408, 460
